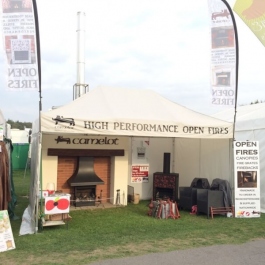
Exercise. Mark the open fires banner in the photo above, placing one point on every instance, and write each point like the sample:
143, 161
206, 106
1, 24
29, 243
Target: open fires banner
19, 37
223, 54
247, 179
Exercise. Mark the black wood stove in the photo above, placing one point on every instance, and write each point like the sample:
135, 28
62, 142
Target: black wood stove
165, 184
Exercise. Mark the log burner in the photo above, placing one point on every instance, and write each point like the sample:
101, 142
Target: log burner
166, 184
84, 182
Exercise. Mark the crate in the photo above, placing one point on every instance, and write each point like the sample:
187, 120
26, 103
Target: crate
222, 210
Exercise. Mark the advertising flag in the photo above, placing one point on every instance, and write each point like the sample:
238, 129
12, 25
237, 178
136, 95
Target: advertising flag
19, 39
252, 12
224, 55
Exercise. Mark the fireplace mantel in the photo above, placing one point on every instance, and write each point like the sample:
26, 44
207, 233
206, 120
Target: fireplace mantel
85, 152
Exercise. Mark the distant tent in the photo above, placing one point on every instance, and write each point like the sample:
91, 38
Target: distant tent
20, 142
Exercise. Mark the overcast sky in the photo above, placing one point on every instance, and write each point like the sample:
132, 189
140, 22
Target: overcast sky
143, 44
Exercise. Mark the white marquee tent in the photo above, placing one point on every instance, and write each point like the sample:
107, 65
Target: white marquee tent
200, 144
117, 111
250, 126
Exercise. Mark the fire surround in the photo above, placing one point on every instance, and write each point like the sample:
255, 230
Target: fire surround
84, 182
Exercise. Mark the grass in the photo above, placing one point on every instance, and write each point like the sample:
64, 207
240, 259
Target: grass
106, 233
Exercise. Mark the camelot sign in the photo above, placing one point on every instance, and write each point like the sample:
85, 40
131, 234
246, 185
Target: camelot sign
88, 141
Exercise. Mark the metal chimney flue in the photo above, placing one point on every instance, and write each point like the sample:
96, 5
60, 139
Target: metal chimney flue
166, 163
80, 88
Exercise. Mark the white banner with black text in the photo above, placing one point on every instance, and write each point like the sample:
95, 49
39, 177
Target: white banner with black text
19, 38
223, 54
247, 179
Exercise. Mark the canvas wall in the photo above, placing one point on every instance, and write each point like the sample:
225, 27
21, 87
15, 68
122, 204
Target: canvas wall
191, 158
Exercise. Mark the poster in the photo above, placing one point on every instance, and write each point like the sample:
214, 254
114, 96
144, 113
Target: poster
223, 54
57, 204
247, 179
6, 234
140, 173
140, 161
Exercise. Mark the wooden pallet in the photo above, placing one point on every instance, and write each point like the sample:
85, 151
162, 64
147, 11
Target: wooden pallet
222, 210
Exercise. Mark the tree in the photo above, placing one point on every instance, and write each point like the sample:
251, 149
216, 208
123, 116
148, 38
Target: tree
19, 125
256, 102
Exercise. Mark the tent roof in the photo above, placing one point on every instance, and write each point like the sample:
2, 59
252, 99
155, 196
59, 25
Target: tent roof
248, 117
119, 111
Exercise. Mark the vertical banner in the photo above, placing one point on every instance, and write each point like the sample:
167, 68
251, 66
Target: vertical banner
223, 54
247, 179
19, 38
140, 164
6, 234
253, 14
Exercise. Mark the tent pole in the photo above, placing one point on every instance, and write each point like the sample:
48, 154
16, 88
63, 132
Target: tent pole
236, 85
174, 153
40, 103
237, 62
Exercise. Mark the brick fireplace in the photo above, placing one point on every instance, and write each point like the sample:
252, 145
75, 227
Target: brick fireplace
67, 167
68, 163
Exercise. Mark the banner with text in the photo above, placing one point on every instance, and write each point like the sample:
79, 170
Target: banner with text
19, 37
247, 179
223, 54
253, 14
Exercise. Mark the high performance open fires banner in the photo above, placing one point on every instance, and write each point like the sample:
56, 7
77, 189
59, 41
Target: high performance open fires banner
247, 179
19, 37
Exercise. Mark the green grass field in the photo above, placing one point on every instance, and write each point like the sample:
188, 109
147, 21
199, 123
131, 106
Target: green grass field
105, 233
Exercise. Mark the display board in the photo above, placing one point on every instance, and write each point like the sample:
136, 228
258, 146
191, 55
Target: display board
6, 234
247, 179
